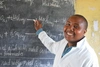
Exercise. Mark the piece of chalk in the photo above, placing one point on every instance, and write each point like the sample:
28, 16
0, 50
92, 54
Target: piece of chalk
34, 20
30, 20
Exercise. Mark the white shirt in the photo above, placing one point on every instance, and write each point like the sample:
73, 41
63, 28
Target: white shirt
80, 56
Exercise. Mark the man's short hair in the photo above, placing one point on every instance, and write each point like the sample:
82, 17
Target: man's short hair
86, 22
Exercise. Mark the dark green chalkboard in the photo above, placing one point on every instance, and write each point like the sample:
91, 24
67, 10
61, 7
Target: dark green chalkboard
19, 45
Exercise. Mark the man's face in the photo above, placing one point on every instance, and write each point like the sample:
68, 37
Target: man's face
74, 29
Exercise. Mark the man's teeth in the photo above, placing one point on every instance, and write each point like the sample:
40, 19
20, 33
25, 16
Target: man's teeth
69, 33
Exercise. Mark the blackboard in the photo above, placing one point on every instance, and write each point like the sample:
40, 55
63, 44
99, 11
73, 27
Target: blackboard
19, 45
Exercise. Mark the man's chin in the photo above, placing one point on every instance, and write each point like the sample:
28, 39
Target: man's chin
70, 40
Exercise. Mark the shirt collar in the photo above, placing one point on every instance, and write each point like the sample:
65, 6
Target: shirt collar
81, 42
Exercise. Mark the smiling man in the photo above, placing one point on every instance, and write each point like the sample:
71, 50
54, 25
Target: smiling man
73, 50
74, 29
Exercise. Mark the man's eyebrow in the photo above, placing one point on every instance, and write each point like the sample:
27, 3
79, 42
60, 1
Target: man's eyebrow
68, 21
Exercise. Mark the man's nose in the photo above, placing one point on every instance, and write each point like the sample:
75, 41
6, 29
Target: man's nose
71, 28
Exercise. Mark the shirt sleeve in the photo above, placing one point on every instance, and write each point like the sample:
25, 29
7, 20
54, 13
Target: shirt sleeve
48, 42
38, 31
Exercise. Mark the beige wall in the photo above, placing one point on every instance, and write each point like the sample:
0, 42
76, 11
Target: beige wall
91, 10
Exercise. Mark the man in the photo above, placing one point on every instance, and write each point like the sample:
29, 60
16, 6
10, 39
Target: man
73, 50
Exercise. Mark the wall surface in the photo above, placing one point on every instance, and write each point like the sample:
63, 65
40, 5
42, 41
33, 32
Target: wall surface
91, 10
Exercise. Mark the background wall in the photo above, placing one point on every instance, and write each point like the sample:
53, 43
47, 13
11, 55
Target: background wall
91, 10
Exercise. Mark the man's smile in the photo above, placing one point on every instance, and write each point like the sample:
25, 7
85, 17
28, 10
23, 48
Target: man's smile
70, 34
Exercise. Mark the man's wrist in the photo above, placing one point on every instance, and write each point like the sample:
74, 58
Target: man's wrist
38, 31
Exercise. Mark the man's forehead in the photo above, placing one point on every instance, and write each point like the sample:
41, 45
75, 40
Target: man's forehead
79, 19
75, 19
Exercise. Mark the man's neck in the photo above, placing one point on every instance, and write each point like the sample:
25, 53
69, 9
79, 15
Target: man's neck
71, 44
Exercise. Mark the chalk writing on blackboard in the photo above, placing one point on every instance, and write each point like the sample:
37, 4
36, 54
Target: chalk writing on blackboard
19, 44
16, 50
36, 62
1, 5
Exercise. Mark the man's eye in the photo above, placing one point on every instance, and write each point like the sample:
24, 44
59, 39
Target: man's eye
67, 24
75, 26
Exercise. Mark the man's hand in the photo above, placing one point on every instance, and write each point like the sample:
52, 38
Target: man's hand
37, 24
